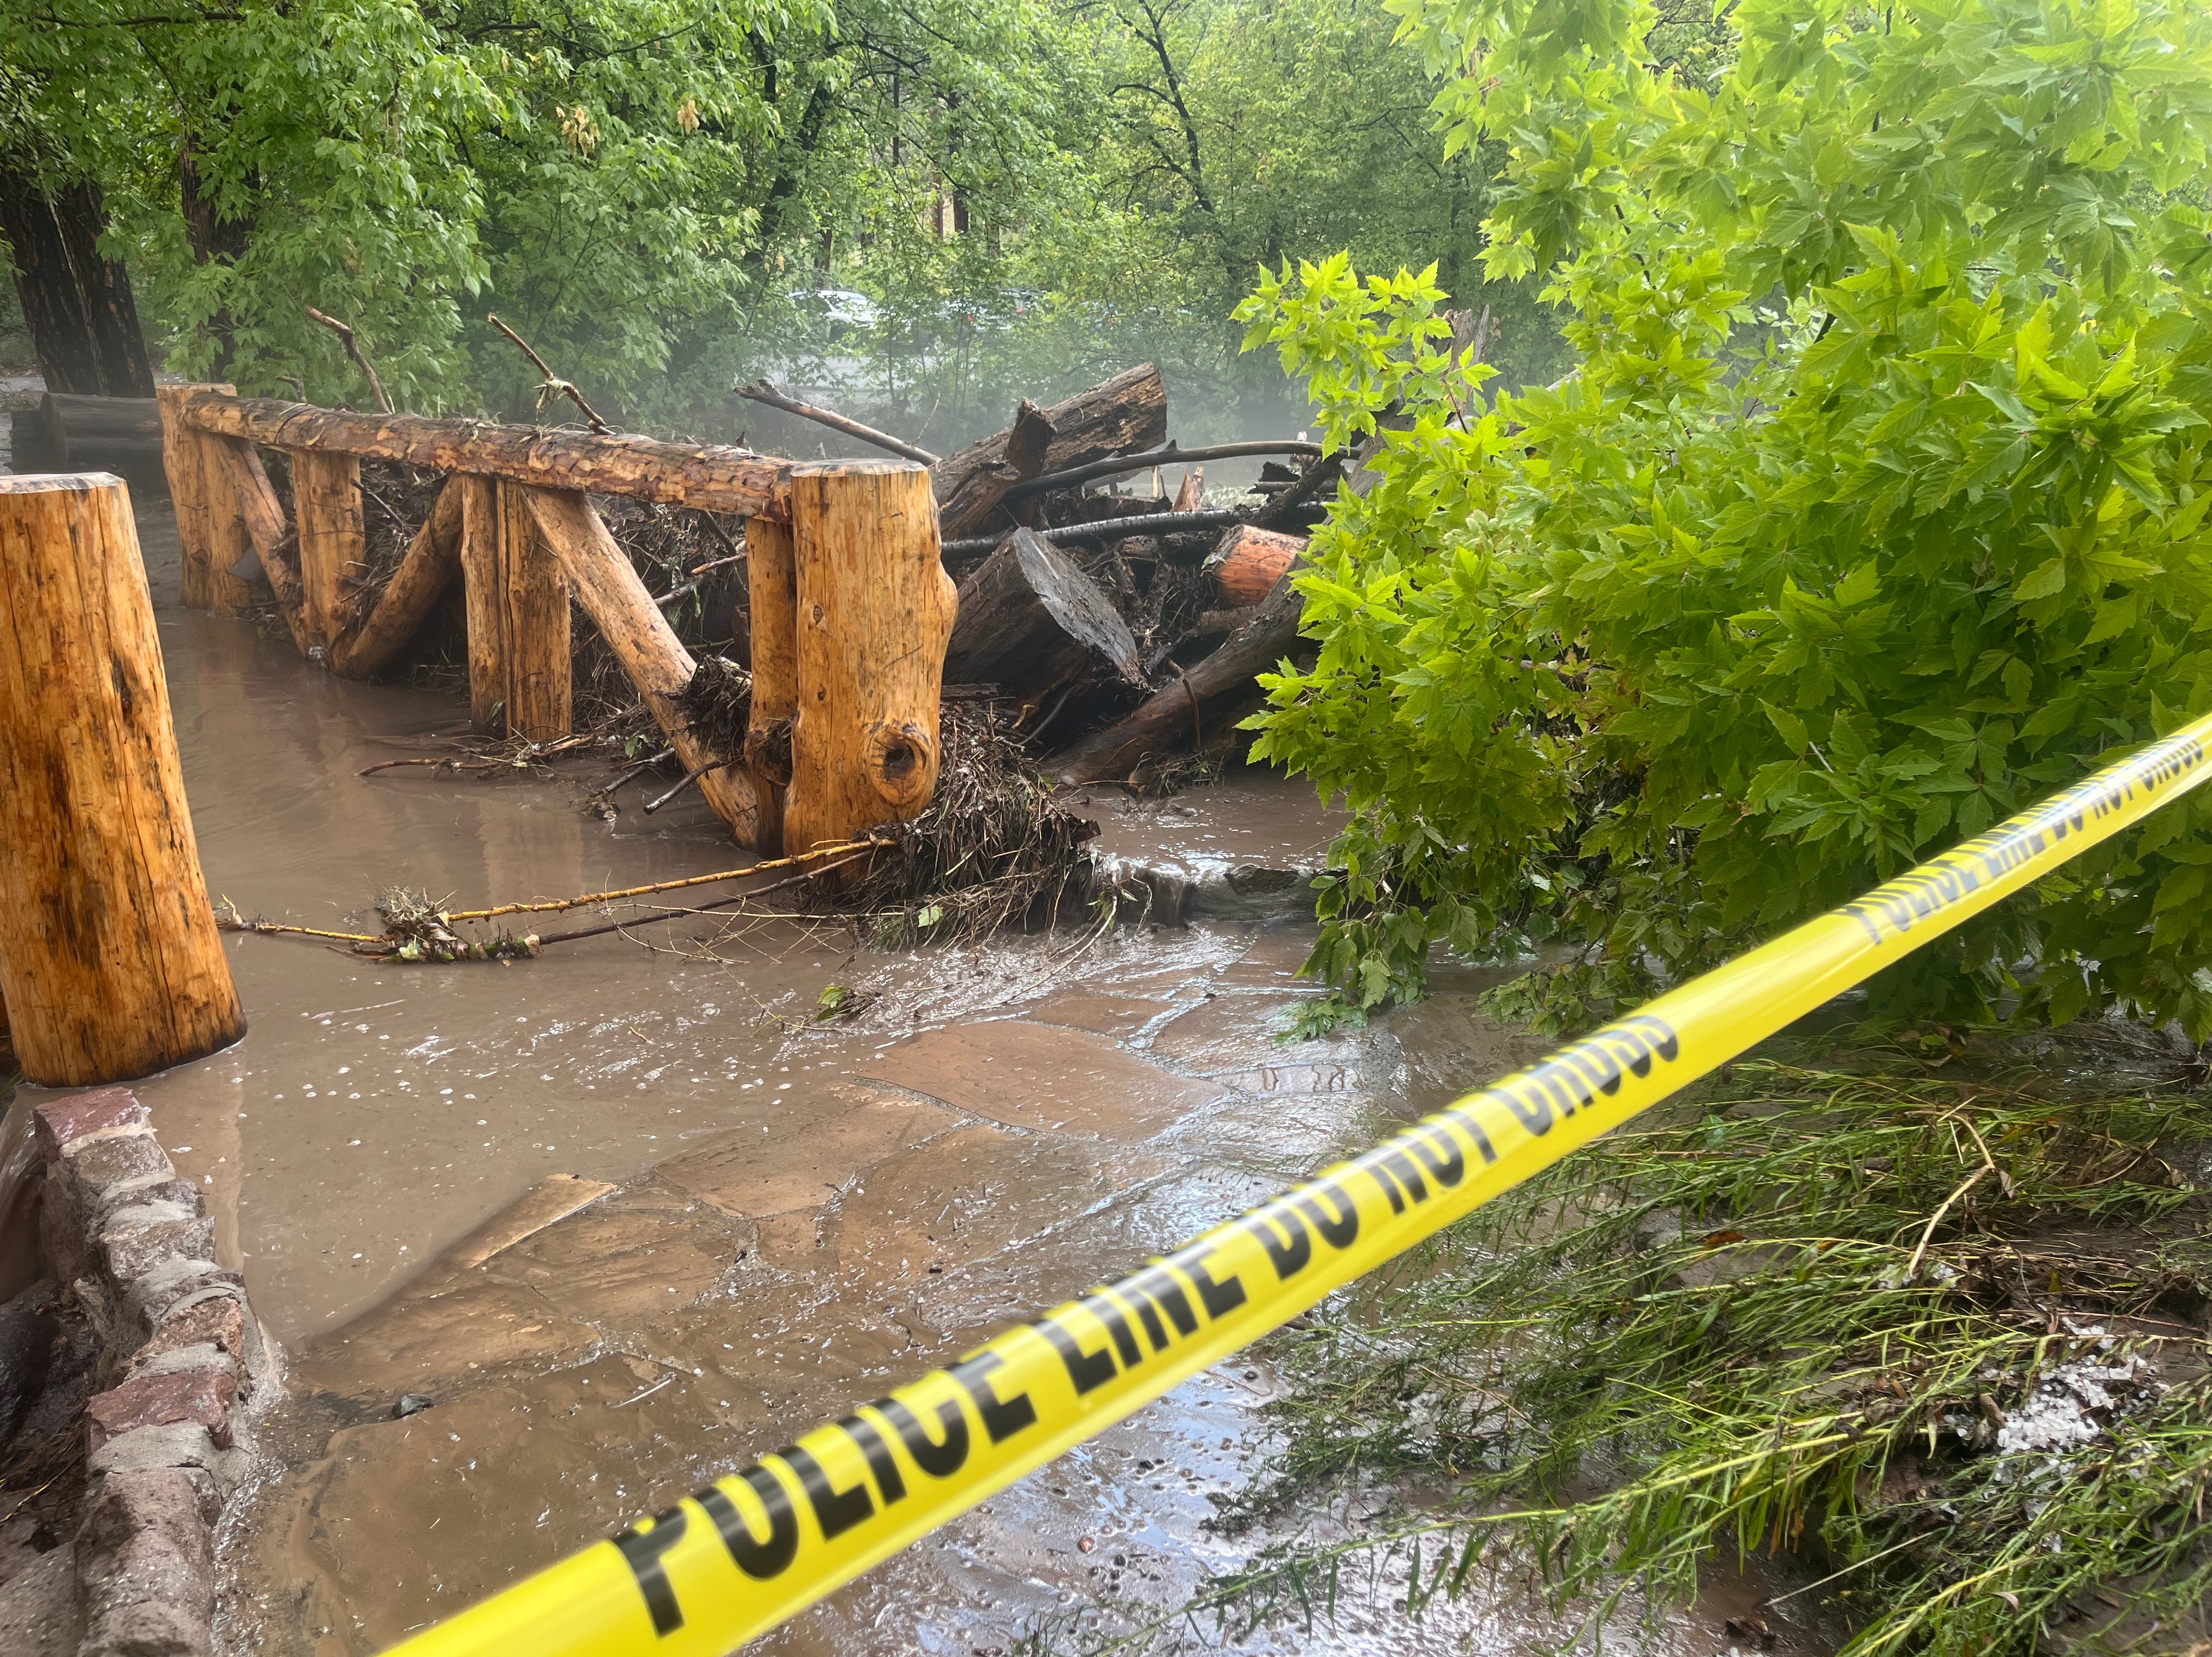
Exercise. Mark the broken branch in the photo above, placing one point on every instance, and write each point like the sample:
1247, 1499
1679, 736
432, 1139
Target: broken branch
762, 392
345, 331
553, 386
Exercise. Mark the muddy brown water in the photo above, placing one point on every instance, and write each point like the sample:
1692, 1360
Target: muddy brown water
628, 1217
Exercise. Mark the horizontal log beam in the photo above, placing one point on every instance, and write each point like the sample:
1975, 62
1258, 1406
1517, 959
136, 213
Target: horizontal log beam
709, 476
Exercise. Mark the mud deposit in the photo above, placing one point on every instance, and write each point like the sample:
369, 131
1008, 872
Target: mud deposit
619, 1219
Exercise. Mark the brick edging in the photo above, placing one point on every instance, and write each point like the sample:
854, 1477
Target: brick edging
182, 1361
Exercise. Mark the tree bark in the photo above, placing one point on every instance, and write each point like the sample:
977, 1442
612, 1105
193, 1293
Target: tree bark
978, 492
83, 320
432, 559
333, 541
772, 570
1205, 702
714, 478
607, 589
110, 963
1035, 625
875, 611
1129, 411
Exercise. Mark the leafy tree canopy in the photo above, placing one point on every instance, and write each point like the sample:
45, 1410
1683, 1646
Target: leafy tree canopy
1875, 510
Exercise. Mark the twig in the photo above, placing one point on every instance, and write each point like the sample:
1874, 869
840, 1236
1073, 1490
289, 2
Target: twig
345, 331
1197, 725
1913, 1267
553, 386
228, 919
640, 767
761, 392
448, 760
1110, 529
702, 909
554, 905
689, 776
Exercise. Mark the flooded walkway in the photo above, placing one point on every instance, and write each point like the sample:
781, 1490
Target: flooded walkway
550, 1243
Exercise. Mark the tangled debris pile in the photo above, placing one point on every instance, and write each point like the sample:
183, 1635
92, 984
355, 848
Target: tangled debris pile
992, 848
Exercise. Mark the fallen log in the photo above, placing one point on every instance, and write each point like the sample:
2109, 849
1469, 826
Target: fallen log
1037, 627
762, 392
716, 478
1121, 465
980, 491
1208, 698
67, 433
607, 589
1129, 411
1112, 529
432, 559
1247, 562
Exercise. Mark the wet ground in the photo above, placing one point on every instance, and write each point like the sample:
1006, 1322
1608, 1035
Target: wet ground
626, 1216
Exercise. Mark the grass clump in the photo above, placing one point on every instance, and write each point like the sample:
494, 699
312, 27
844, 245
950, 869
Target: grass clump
1940, 1341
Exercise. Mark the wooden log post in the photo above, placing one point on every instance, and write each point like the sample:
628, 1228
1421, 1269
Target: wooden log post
773, 571
110, 962
485, 596
518, 615
263, 516
875, 612
608, 591
333, 541
199, 490
432, 559
536, 599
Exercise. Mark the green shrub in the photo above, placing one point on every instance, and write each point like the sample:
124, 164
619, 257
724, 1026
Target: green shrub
1875, 511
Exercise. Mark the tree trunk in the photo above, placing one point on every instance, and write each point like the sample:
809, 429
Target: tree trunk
772, 568
1205, 702
77, 304
875, 611
1038, 628
333, 541
110, 963
432, 559
713, 478
1129, 411
607, 589
977, 491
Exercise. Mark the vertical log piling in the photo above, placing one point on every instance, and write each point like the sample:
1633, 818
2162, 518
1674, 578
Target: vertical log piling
333, 541
875, 611
535, 596
110, 962
773, 573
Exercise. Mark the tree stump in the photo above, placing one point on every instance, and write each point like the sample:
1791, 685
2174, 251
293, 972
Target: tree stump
1036, 626
333, 541
875, 612
110, 962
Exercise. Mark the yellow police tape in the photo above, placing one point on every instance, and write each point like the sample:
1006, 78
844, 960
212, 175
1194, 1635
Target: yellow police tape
708, 1574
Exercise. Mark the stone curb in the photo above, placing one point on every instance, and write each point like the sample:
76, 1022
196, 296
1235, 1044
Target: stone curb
183, 1362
